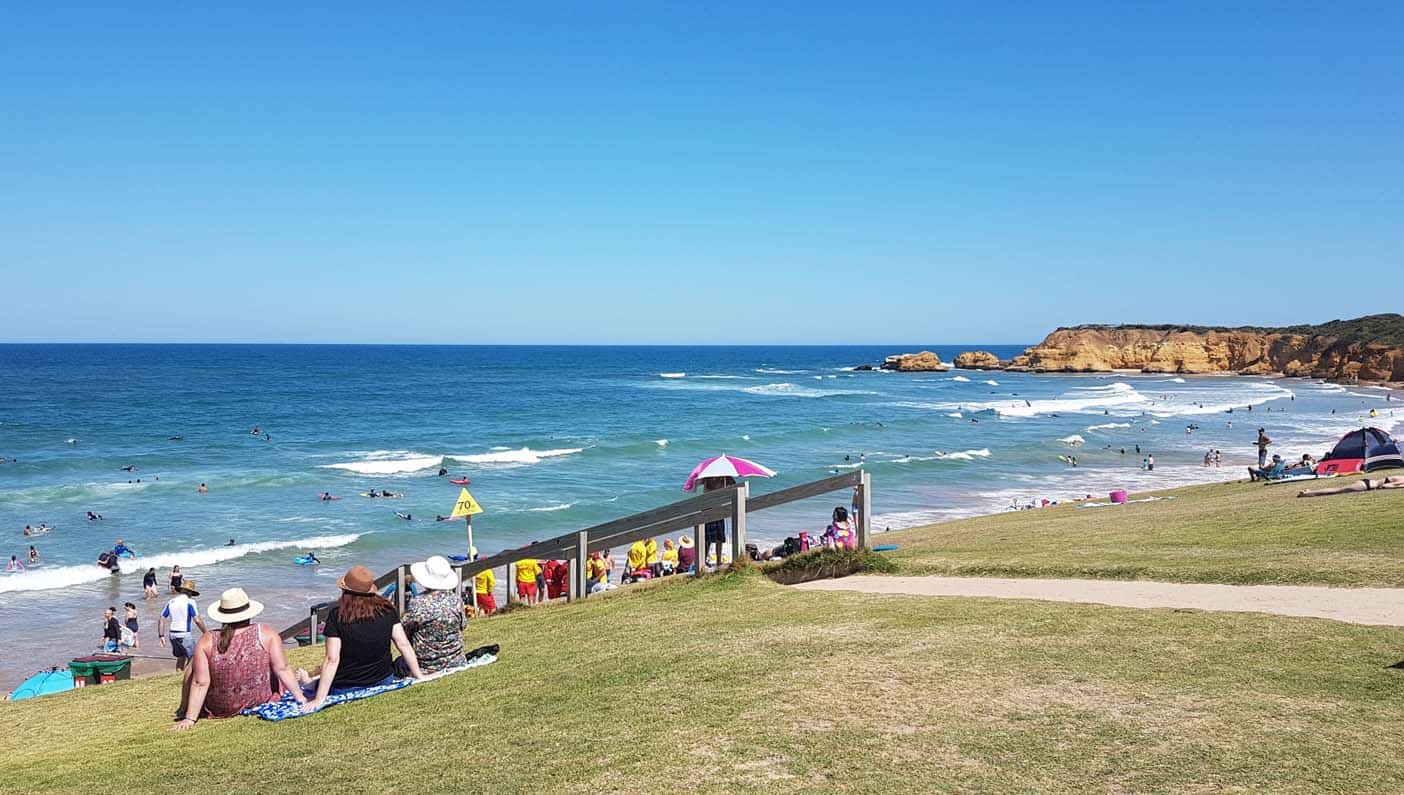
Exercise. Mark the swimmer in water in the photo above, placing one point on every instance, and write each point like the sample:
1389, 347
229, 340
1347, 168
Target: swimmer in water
33, 555
203, 489
129, 468
442, 471
404, 516
231, 543
92, 517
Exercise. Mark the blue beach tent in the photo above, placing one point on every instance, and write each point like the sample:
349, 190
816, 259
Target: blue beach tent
43, 683
1365, 450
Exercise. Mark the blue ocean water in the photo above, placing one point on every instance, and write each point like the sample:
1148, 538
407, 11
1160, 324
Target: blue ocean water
553, 438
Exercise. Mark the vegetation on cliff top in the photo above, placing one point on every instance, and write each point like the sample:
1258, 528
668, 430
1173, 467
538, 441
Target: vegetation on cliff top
1386, 329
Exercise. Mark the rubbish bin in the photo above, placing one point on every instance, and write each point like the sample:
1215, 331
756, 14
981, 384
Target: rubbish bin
100, 669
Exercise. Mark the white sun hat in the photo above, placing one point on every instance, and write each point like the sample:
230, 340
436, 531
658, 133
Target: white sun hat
435, 573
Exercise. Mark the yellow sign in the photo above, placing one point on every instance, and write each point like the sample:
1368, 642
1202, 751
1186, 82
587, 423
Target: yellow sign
466, 505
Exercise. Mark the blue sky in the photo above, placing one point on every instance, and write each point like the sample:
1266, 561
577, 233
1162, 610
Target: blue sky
689, 173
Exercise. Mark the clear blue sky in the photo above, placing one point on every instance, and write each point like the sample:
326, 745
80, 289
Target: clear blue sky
694, 172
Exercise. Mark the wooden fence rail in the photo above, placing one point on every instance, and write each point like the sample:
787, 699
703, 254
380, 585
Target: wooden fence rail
732, 502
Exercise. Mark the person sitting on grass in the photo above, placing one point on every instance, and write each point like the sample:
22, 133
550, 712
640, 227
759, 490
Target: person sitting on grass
687, 555
359, 631
435, 620
670, 557
240, 666
841, 530
596, 574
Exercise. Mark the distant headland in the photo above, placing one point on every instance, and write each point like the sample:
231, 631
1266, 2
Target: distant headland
1367, 348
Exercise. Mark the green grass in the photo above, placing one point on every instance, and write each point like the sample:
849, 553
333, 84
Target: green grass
736, 682
1229, 532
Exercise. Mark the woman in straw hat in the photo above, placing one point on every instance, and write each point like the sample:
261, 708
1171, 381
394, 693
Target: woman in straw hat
241, 666
687, 554
359, 631
435, 620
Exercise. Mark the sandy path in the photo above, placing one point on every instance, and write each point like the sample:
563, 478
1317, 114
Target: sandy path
1383, 606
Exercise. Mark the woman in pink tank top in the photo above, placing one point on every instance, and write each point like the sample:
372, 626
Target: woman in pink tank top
241, 666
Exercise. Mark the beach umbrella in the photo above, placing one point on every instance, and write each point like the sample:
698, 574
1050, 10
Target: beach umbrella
726, 466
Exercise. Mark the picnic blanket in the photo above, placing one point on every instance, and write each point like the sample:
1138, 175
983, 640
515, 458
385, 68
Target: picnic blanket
287, 707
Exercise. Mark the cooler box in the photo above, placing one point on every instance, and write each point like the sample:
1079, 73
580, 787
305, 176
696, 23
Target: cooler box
100, 669
1118, 496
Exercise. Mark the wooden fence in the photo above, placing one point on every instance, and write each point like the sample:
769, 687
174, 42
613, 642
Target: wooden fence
733, 503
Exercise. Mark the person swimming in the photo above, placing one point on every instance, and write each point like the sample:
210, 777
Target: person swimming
203, 489
230, 543
442, 471
129, 468
122, 550
387, 493
15, 564
93, 517
404, 516
33, 555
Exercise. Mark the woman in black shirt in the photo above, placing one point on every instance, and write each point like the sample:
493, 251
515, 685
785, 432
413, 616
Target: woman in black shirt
359, 631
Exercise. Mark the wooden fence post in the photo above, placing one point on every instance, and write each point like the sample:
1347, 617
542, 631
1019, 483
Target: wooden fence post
865, 509
400, 589
738, 523
699, 532
581, 574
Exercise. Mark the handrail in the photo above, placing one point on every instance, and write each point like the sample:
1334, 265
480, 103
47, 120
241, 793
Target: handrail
732, 502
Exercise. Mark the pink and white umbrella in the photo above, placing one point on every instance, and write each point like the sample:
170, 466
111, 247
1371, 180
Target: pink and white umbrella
726, 466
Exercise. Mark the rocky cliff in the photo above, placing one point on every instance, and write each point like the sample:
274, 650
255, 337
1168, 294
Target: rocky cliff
1366, 349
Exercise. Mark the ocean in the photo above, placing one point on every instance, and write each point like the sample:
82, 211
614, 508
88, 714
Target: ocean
553, 438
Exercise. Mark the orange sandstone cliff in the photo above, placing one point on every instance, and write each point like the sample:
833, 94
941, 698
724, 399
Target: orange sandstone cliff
1365, 349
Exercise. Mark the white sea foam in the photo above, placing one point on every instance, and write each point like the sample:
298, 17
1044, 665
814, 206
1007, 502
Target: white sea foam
525, 455
1177, 380
960, 378
1118, 396
1073, 441
672, 375
1108, 426
745, 437
955, 415
42, 579
384, 462
793, 390
722, 377
992, 382
661, 442
775, 371
552, 508
967, 455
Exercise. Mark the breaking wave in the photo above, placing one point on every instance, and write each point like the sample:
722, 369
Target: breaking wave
672, 375
385, 462
43, 579
1106, 426
526, 455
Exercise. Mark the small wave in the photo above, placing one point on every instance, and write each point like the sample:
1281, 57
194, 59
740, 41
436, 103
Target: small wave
1177, 380
955, 415
525, 455
745, 437
1073, 441
992, 382
774, 371
661, 442
721, 377
67, 576
960, 378
386, 463
1106, 426
791, 390
552, 508
967, 455
672, 375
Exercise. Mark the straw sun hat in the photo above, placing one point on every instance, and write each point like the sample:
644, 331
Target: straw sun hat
234, 605
436, 573
685, 542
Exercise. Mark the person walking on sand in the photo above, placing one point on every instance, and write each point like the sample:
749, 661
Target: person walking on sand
129, 631
180, 613
1263, 442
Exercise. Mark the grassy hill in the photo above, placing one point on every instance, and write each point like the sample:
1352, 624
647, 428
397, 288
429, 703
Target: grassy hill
735, 683
1227, 532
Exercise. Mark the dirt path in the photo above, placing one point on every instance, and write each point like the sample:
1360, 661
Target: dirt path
1383, 606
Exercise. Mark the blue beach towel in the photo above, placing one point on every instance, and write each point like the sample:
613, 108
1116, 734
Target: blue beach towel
287, 707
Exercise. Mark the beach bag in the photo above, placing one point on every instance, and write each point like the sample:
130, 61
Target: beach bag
753, 551
791, 547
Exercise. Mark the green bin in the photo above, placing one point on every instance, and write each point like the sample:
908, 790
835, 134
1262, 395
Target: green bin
100, 669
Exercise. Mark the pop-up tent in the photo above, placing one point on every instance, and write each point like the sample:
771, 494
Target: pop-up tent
1365, 450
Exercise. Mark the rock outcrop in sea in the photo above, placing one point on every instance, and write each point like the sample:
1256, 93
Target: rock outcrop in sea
924, 362
977, 360
1364, 349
